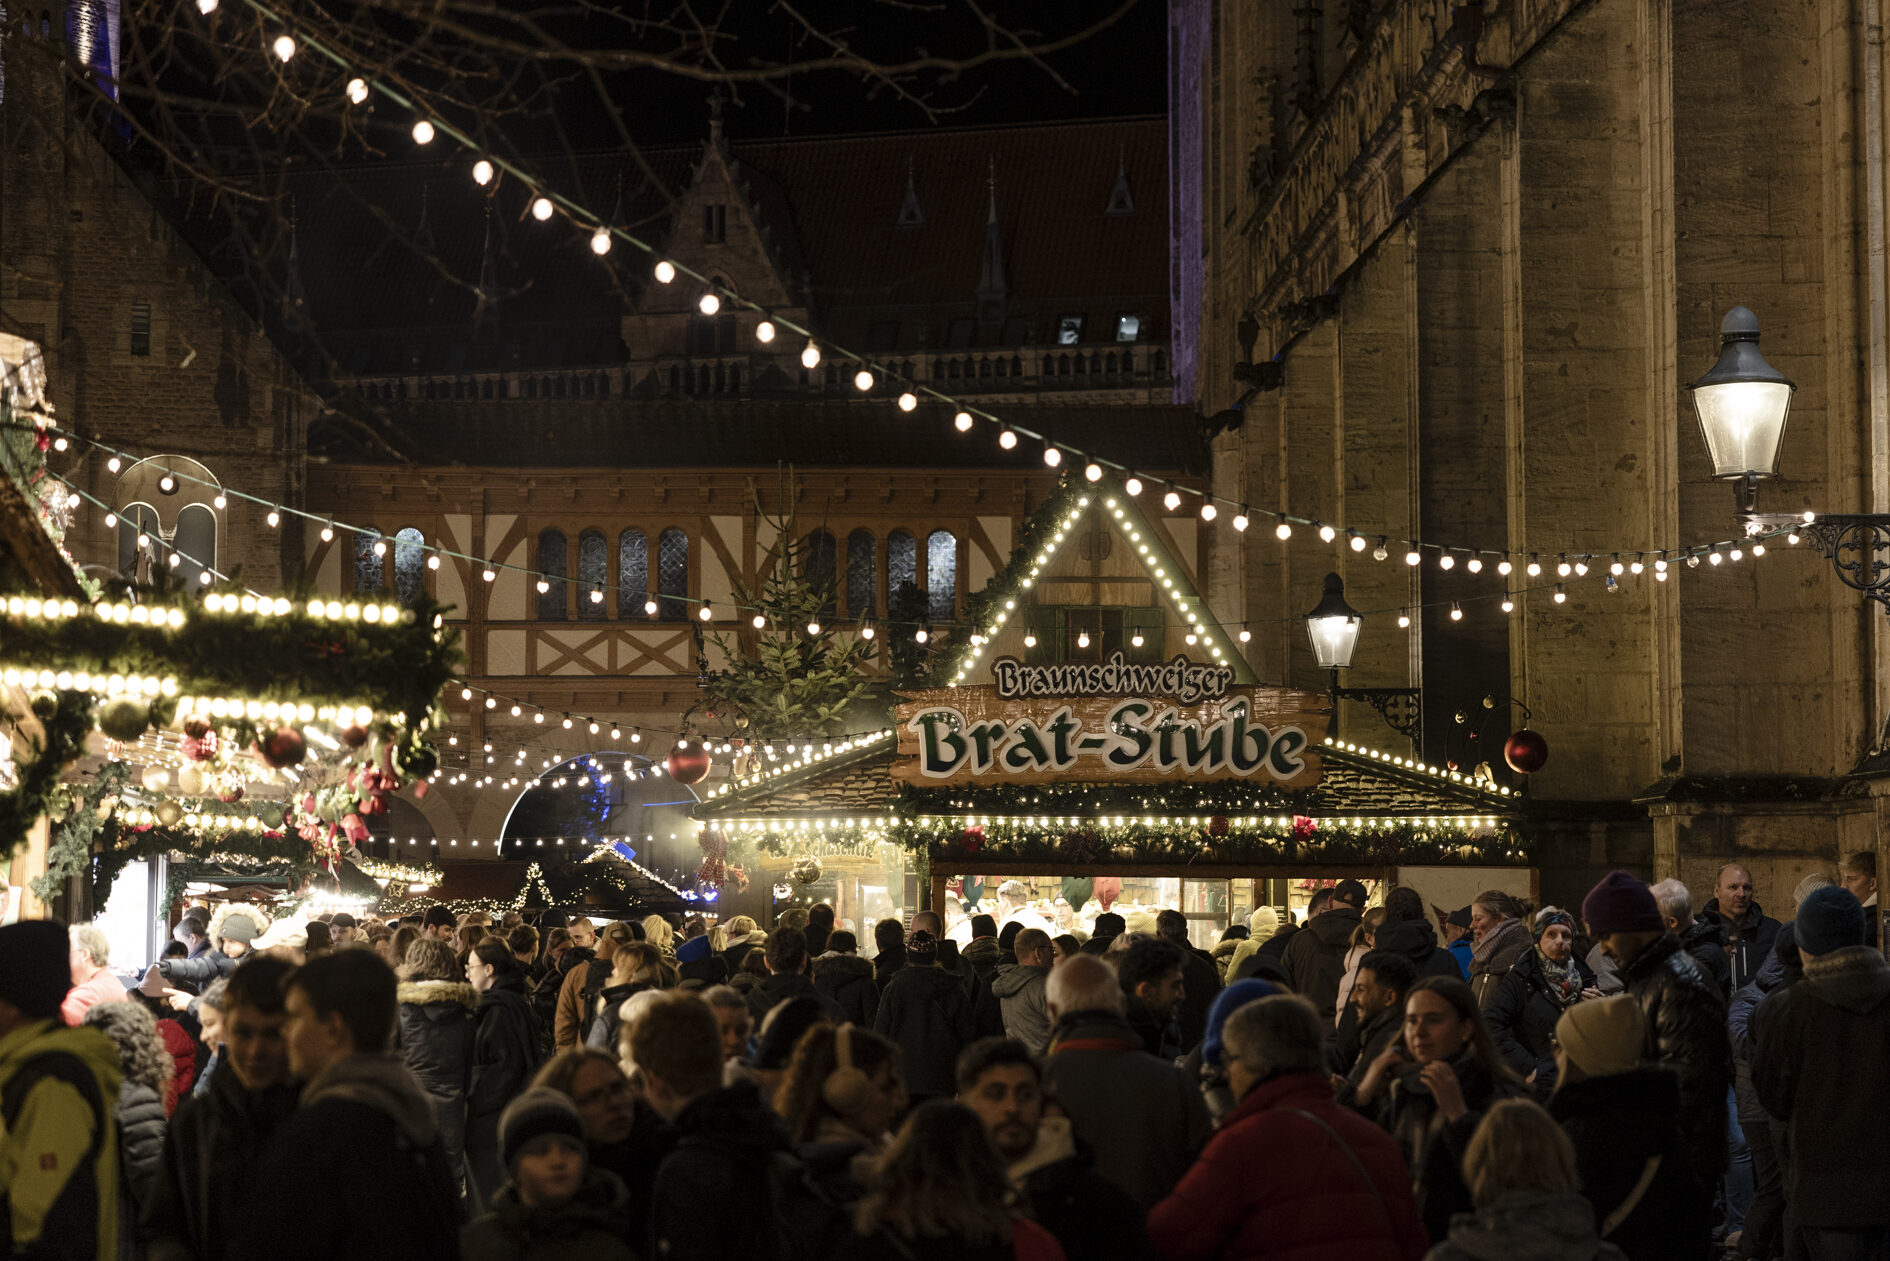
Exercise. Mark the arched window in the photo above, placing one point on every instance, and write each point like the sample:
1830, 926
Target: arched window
902, 561
818, 561
941, 576
196, 542
551, 572
862, 574
633, 573
410, 566
369, 573
672, 575
133, 521
593, 568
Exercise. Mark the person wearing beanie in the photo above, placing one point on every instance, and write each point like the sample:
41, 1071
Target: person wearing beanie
698, 966
553, 1205
1206, 1061
1683, 1009
59, 1171
1544, 982
927, 1013
1818, 1049
1624, 1120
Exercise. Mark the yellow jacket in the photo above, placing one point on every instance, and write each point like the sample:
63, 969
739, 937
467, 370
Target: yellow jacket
48, 1188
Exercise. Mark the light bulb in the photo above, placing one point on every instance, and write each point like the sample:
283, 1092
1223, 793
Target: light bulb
380, 547
1358, 542
1379, 552
1092, 472
541, 208
813, 628
706, 613
1714, 558
1413, 557
1636, 567
1030, 640
1007, 439
1456, 612
1509, 605
167, 484
866, 631
1133, 486
1660, 566
114, 464
1082, 639
1446, 561
1617, 568
1209, 512
489, 575
328, 532
206, 7
72, 500
1581, 569
285, 47
433, 562
764, 331
597, 595
1327, 534
810, 355
649, 608
1245, 635
1283, 531
1171, 501
1136, 639
1758, 549
357, 91
1534, 568
962, 422
1404, 621
482, 172
274, 518
1660, 575
1052, 456
111, 519
600, 242
709, 304
665, 271
1240, 522
758, 622
422, 132
1504, 568
908, 401
863, 380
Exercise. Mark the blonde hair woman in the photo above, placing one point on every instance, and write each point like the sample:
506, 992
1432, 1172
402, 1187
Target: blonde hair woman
657, 931
1521, 1170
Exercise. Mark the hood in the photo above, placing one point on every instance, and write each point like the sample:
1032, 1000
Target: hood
383, 1083
1055, 1142
837, 969
36, 1037
1704, 931
1755, 915
1528, 1226
693, 949
1335, 928
445, 996
1415, 939
237, 921
1012, 979
1854, 978
734, 1119
780, 986
984, 951
1222, 949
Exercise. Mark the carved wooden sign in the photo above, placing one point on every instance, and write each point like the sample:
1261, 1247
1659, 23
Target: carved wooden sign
1167, 723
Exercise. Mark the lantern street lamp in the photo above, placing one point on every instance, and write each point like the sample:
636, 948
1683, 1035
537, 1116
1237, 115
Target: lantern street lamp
1742, 403
1333, 627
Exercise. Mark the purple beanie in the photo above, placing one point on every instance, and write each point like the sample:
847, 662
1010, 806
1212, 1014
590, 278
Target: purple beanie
1621, 904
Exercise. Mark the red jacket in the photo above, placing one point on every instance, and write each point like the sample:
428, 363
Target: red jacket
183, 1049
1272, 1184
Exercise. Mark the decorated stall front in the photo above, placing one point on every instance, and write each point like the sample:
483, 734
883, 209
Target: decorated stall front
1099, 743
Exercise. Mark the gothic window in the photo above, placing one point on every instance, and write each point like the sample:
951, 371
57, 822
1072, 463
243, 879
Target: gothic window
551, 573
133, 521
410, 566
593, 566
368, 570
633, 573
672, 575
862, 574
714, 224
817, 567
941, 576
141, 327
196, 542
902, 560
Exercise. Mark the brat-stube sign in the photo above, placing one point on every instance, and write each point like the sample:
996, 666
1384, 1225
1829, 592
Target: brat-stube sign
1110, 721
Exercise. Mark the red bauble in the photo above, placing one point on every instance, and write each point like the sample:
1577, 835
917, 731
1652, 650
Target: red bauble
354, 737
1526, 751
688, 763
283, 747
231, 794
1217, 826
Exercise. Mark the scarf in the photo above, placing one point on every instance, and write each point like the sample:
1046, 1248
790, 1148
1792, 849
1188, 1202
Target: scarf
1564, 980
1499, 938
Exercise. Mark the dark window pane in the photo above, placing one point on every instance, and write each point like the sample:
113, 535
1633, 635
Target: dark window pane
593, 569
818, 558
672, 575
195, 544
633, 572
367, 566
862, 574
551, 573
141, 328
133, 521
941, 576
410, 566
902, 560
1069, 330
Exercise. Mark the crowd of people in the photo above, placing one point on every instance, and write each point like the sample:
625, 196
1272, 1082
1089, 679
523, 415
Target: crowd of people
1628, 1079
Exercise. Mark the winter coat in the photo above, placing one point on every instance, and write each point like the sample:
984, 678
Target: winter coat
1384, 1029
1223, 955
584, 981
1020, 994
1705, 940
1143, 1118
609, 1019
1416, 940
1527, 1226
59, 1170
1461, 950
1617, 1125
183, 1049
982, 954
141, 1122
726, 1142
1747, 942
1817, 1065
367, 1134
1274, 1184
737, 952
1774, 974
888, 962
505, 1055
635, 1161
987, 1017
925, 1011
592, 1225
1201, 984
1522, 1015
211, 1152
198, 970
848, 981
1089, 1215
1685, 1015
1315, 958
773, 990
1433, 1147
434, 1035
1493, 957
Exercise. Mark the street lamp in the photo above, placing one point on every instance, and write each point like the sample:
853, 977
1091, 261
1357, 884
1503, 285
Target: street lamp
1742, 403
1333, 627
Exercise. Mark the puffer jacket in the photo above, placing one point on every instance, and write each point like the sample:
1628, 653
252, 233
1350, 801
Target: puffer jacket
592, 1225
848, 981
199, 970
1705, 940
1494, 956
1020, 994
1685, 1017
434, 1035
1311, 1207
982, 954
1618, 1125
141, 1124
1522, 1018
1223, 955
1527, 1226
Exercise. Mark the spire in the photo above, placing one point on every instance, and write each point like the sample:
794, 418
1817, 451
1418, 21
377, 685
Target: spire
910, 216
1120, 202
993, 290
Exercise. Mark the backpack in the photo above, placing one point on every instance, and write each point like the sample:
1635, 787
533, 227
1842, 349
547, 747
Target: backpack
595, 983
78, 1202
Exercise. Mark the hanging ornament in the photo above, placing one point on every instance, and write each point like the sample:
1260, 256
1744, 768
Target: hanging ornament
688, 763
45, 705
124, 719
200, 742
1526, 751
192, 781
1217, 826
354, 737
782, 892
972, 839
155, 779
282, 747
714, 843
168, 813
806, 869
231, 793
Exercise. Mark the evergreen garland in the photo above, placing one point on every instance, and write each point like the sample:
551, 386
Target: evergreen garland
81, 812
67, 720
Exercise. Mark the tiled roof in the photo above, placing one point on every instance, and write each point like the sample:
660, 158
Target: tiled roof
675, 433
848, 784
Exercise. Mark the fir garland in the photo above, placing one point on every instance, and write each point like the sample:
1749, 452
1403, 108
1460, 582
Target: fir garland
67, 720
76, 809
136, 844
